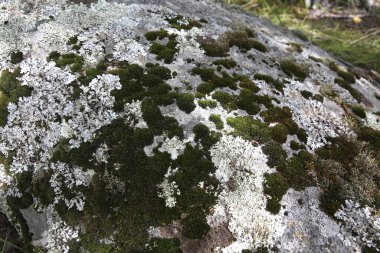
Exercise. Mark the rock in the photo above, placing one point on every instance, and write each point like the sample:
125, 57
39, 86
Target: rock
181, 126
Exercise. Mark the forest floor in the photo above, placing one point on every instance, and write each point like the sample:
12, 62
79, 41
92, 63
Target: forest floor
348, 33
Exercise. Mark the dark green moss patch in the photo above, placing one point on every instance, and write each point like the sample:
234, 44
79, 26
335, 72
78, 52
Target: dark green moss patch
250, 129
359, 111
276, 154
206, 88
159, 34
354, 92
295, 47
73, 40
279, 133
318, 97
163, 245
179, 22
10, 91
296, 146
246, 83
17, 57
243, 41
306, 94
291, 68
165, 52
227, 100
276, 114
246, 102
207, 103
195, 224
185, 102
227, 63
278, 85
214, 48
217, 121
206, 74
275, 186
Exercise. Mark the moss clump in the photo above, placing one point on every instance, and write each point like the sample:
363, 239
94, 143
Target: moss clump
54, 55
276, 114
278, 85
250, 129
195, 225
306, 94
185, 102
10, 91
296, 146
73, 40
225, 81
160, 71
159, 34
293, 69
201, 131
163, 245
354, 92
179, 22
371, 136
227, 100
165, 52
359, 111
279, 133
318, 97
207, 103
206, 88
295, 47
246, 83
243, 41
276, 154
346, 76
246, 102
206, 74
217, 121
275, 186
214, 48
17, 57
227, 63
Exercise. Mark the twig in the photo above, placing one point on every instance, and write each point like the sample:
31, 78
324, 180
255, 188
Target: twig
368, 34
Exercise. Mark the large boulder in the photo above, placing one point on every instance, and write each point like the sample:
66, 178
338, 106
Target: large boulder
181, 126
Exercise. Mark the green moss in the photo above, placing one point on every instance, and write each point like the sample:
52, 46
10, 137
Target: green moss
316, 59
10, 91
348, 77
279, 133
16, 57
159, 34
207, 103
206, 88
276, 154
163, 245
228, 63
296, 146
354, 92
295, 47
250, 129
227, 100
306, 94
278, 85
195, 224
359, 111
302, 135
217, 121
291, 68
371, 136
160, 71
201, 131
246, 102
242, 40
185, 102
165, 52
246, 83
54, 55
214, 48
73, 40
206, 74
318, 97
276, 114
179, 22
275, 186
